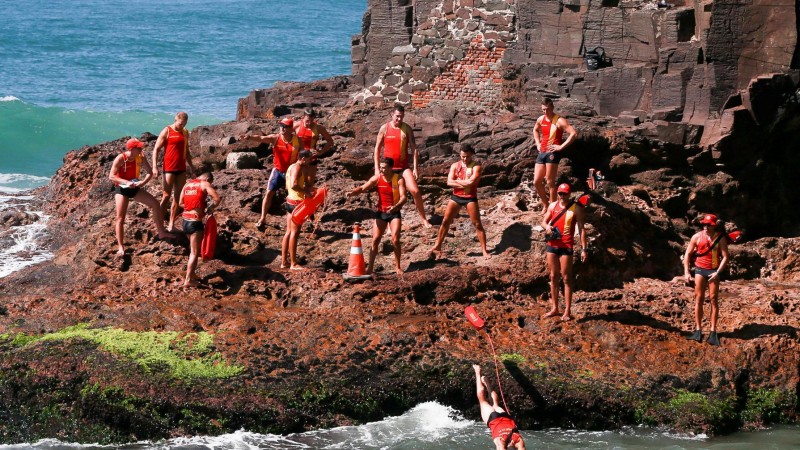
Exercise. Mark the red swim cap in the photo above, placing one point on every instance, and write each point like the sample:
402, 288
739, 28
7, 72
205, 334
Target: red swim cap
709, 219
287, 121
134, 143
563, 187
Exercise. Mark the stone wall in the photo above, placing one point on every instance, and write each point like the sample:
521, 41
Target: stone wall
453, 54
686, 61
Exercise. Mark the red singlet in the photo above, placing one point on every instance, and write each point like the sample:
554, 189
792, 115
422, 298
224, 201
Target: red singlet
175, 150
564, 225
464, 172
388, 192
194, 200
711, 259
308, 136
285, 153
395, 145
545, 137
130, 167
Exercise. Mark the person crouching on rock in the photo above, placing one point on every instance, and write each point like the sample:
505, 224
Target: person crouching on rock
127, 186
565, 216
194, 201
391, 189
299, 187
463, 178
709, 251
504, 430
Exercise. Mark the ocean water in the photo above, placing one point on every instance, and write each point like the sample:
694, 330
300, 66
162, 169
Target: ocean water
82, 72
431, 426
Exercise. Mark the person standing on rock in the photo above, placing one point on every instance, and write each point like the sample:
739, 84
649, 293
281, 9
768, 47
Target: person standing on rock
174, 139
194, 201
563, 216
391, 189
504, 429
125, 172
709, 251
395, 140
548, 132
285, 148
309, 132
298, 187
463, 177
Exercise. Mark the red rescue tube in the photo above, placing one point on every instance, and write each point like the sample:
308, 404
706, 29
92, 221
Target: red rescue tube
474, 318
209, 243
309, 206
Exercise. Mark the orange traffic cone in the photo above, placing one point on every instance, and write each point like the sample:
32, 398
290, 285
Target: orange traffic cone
357, 268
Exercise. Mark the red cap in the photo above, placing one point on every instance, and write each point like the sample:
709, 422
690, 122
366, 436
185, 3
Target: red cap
709, 219
134, 143
287, 121
563, 187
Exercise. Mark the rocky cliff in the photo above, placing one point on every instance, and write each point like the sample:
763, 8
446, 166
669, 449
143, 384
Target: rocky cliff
96, 347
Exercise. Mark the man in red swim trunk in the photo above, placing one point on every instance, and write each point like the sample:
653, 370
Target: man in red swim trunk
504, 430
174, 139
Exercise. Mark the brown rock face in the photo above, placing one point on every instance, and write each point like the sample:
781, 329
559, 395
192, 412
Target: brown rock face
318, 352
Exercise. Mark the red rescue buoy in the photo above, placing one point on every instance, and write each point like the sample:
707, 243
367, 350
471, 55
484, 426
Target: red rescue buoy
474, 318
309, 206
209, 239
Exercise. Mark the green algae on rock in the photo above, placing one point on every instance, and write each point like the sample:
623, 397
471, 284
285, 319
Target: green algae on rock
186, 355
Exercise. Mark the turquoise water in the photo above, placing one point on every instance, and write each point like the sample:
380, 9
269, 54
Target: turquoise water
83, 72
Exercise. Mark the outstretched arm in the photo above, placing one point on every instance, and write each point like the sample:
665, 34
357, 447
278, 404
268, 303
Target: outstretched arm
370, 184
263, 139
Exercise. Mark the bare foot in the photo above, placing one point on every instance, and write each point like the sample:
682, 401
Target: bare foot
435, 254
487, 255
566, 317
284, 264
190, 283
399, 271
166, 235
552, 313
426, 224
260, 224
297, 267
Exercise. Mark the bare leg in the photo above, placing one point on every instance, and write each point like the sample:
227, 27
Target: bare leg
179, 180
554, 265
377, 233
195, 240
713, 294
700, 284
566, 275
475, 216
150, 202
119, 224
166, 194
539, 172
552, 174
265, 204
285, 243
450, 214
480, 390
395, 226
413, 189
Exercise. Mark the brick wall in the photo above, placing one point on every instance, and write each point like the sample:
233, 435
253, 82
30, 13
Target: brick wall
474, 80
453, 55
